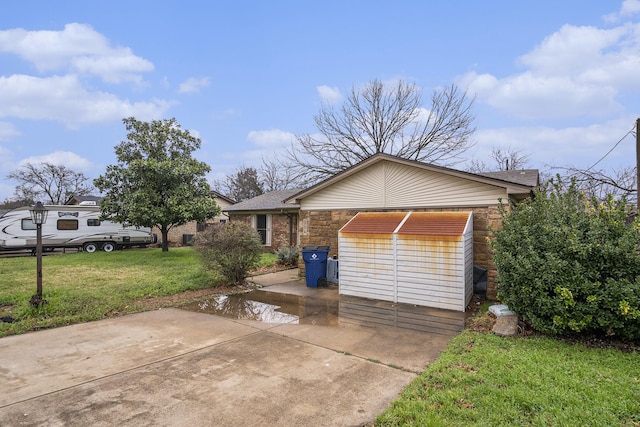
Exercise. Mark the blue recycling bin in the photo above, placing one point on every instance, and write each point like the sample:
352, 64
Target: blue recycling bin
315, 264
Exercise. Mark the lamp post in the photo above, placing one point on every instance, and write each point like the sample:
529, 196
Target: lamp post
39, 217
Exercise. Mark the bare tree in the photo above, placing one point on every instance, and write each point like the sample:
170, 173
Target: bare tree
388, 119
275, 175
241, 185
49, 183
504, 159
602, 184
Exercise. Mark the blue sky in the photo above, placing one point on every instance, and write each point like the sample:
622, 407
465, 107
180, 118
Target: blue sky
558, 80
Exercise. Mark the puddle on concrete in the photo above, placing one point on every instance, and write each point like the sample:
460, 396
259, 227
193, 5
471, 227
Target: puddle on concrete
273, 307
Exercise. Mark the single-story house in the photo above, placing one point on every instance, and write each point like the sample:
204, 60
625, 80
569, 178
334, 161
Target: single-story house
386, 183
182, 234
275, 220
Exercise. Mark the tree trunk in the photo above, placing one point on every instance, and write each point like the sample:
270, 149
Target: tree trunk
165, 238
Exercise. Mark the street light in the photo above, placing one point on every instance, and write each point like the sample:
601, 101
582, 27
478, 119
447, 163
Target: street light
39, 217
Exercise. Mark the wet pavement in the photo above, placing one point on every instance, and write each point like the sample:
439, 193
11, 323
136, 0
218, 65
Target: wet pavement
286, 355
285, 306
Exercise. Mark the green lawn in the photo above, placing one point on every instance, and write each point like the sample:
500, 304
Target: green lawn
80, 287
485, 380
480, 380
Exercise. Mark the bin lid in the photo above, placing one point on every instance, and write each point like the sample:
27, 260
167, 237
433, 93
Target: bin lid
316, 248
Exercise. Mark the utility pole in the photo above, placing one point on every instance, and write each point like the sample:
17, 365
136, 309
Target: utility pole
638, 166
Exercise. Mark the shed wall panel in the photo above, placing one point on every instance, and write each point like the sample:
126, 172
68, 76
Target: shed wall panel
367, 267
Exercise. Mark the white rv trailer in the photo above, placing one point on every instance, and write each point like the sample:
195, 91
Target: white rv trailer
69, 226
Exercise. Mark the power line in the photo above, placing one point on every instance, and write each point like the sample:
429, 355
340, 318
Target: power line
612, 148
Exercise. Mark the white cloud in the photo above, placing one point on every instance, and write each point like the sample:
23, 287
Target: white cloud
274, 138
78, 49
193, 85
330, 95
64, 99
548, 146
575, 72
7, 131
628, 9
226, 114
65, 158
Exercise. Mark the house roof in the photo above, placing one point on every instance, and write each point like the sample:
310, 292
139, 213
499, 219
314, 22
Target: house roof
514, 184
528, 177
223, 197
76, 200
273, 200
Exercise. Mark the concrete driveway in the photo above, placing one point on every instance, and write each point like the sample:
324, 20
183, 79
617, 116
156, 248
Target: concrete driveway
175, 367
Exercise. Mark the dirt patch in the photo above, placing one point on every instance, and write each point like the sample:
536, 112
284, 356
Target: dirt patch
187, 297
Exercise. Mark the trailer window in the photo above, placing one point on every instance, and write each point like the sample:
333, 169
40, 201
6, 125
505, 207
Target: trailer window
27, 224
67, 224
93, 222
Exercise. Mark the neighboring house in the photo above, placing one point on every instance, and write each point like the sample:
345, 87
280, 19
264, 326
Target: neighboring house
87, 200
275, 220
385, 183
182, 234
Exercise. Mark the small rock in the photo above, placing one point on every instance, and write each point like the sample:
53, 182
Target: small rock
506, 326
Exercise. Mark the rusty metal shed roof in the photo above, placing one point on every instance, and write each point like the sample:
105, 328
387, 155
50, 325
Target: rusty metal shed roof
408, 223
374, 223
435, 224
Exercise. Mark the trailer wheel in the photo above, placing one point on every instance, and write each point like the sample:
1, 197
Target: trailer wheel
90, 247
108, 247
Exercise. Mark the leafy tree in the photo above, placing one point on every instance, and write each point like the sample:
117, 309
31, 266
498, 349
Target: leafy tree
49, 183
382, 118
229, 249
157, 182
243, 184
569, 264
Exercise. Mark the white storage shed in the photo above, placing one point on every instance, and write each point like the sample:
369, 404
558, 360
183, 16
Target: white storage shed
421, 258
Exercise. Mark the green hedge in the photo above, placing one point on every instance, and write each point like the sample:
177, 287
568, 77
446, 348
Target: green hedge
568, 264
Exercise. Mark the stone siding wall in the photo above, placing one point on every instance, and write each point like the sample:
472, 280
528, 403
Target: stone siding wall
175, 235
279, 229
321, 228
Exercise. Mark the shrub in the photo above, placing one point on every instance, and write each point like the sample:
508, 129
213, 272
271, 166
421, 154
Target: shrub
287, 255
230, 249
568, 264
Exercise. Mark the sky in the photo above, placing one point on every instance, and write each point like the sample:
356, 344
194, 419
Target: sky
555, 80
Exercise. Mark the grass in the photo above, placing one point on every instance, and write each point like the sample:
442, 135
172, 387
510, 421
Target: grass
81, 287
480, 380
485, 380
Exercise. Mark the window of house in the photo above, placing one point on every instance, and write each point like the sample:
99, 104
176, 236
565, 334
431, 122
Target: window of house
67, 224
262, 223
27, 224
93, 222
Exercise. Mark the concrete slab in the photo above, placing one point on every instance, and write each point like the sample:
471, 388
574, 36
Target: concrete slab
44, 362
401, 348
